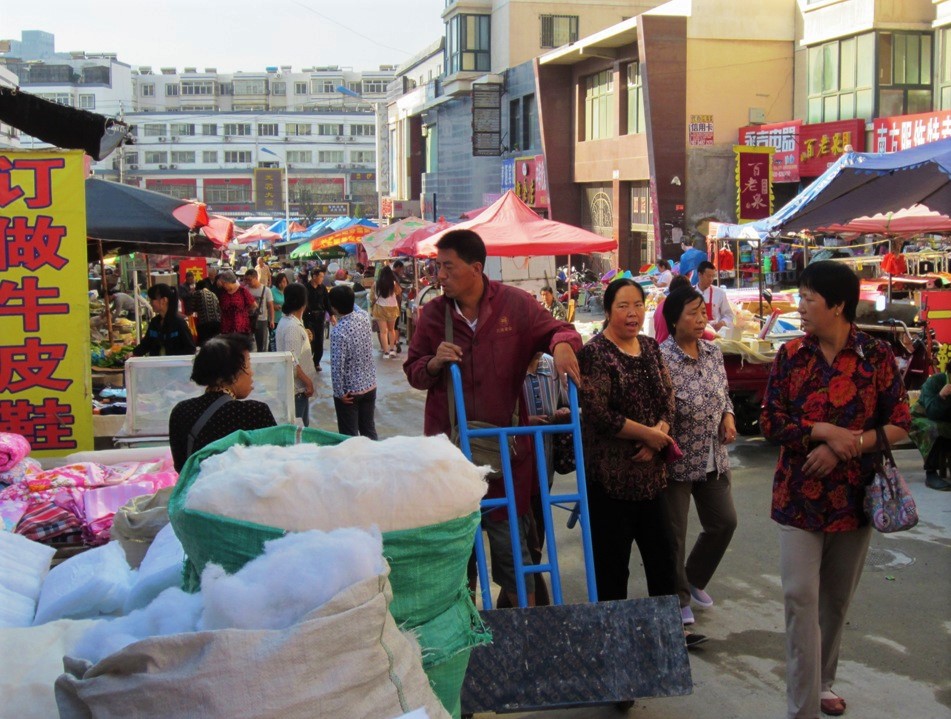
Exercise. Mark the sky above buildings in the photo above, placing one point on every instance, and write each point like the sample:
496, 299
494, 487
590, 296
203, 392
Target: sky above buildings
235, 34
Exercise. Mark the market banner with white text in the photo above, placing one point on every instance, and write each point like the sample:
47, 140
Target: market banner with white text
44, 306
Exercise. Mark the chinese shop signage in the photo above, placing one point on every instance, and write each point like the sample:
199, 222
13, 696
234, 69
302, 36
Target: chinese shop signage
529, 180
754, 187
804, 150
891, 134
268, 189
44, 308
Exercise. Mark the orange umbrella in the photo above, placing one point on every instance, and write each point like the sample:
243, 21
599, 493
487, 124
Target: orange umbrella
219, 230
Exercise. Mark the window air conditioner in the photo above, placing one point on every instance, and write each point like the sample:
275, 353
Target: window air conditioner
133, 167
161, 139
173, 139
173, 167
163, 167
341, 166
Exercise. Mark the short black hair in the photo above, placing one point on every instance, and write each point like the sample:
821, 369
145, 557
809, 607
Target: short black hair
341, 299
663, 264
679, 281
318, 270
251, 273
398, 263
611, 292
295, 297
835, 282
220, 359
465, 243
704, 266
675, 303
278, 278
547, 288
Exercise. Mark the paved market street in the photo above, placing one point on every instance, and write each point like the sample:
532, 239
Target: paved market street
896, 650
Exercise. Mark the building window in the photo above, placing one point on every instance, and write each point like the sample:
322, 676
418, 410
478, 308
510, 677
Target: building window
943, 65
209, 156
226, 88
468, 44
363, 156
278, 88
198, 87
300, 88
599, 105
156, 157
173, 189
298, 129
300, 156
841, 80
528, 120
250, 87
636, 119
87, 102
148, 90
237, 128
183, 157
363, 130
238, 156
60, 98
267, 129
515, 125
130, 158
558, 30
209, 129
227, 194
904, 73
182, 128
153, 130
331, 156
374, 87
171, 89
327, 129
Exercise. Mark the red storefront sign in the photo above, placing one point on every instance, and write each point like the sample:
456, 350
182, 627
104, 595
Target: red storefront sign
891, 134
783, 137
531, 180
804, 150
198, 266
820, 145
754, 188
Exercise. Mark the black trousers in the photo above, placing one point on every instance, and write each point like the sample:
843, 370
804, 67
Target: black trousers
616, 524
207, 330
316, 326
357, 419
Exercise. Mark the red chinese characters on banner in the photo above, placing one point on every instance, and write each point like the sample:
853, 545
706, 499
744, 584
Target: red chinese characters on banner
754, 188
902, 132
198, 266
34, 288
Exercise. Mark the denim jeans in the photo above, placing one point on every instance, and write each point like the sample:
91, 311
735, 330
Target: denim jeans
302, 408
357, 419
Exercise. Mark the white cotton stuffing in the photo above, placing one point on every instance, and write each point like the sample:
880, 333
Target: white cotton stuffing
396, 483
160, 569
297, 574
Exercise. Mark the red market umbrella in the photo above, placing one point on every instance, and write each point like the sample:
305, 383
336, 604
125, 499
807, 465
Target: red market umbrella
407, 246
510, 228
916, 220
472, 214
219, 230
258, 233
296, 227
379, 243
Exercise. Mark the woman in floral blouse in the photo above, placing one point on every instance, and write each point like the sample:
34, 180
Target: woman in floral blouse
627, 408
827, 393
703, 426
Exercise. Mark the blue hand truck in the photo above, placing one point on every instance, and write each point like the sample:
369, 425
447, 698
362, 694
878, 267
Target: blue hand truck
575, 502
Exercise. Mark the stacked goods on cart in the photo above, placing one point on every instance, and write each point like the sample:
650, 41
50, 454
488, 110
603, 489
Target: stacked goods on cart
421, 492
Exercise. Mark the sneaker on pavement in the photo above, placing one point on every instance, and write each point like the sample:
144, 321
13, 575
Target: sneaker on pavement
686, 614
701, 597
694, 640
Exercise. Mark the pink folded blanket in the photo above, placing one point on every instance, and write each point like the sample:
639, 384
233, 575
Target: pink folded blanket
13, 448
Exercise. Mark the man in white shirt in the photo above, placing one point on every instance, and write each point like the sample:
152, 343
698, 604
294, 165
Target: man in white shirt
719, 310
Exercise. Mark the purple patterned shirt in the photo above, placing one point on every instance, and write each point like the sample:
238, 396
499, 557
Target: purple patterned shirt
701, 398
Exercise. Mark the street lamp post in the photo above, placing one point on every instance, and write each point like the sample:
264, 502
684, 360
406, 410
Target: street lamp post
287, 197
376, 105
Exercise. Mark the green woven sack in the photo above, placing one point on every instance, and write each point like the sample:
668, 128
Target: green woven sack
230, 543
446, 680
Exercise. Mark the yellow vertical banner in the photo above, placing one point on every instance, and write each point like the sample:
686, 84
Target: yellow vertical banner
44, 306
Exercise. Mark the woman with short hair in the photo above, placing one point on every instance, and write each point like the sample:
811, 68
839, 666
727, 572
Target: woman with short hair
703, 426
291, 336
168, 332
828, 395
223, 368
